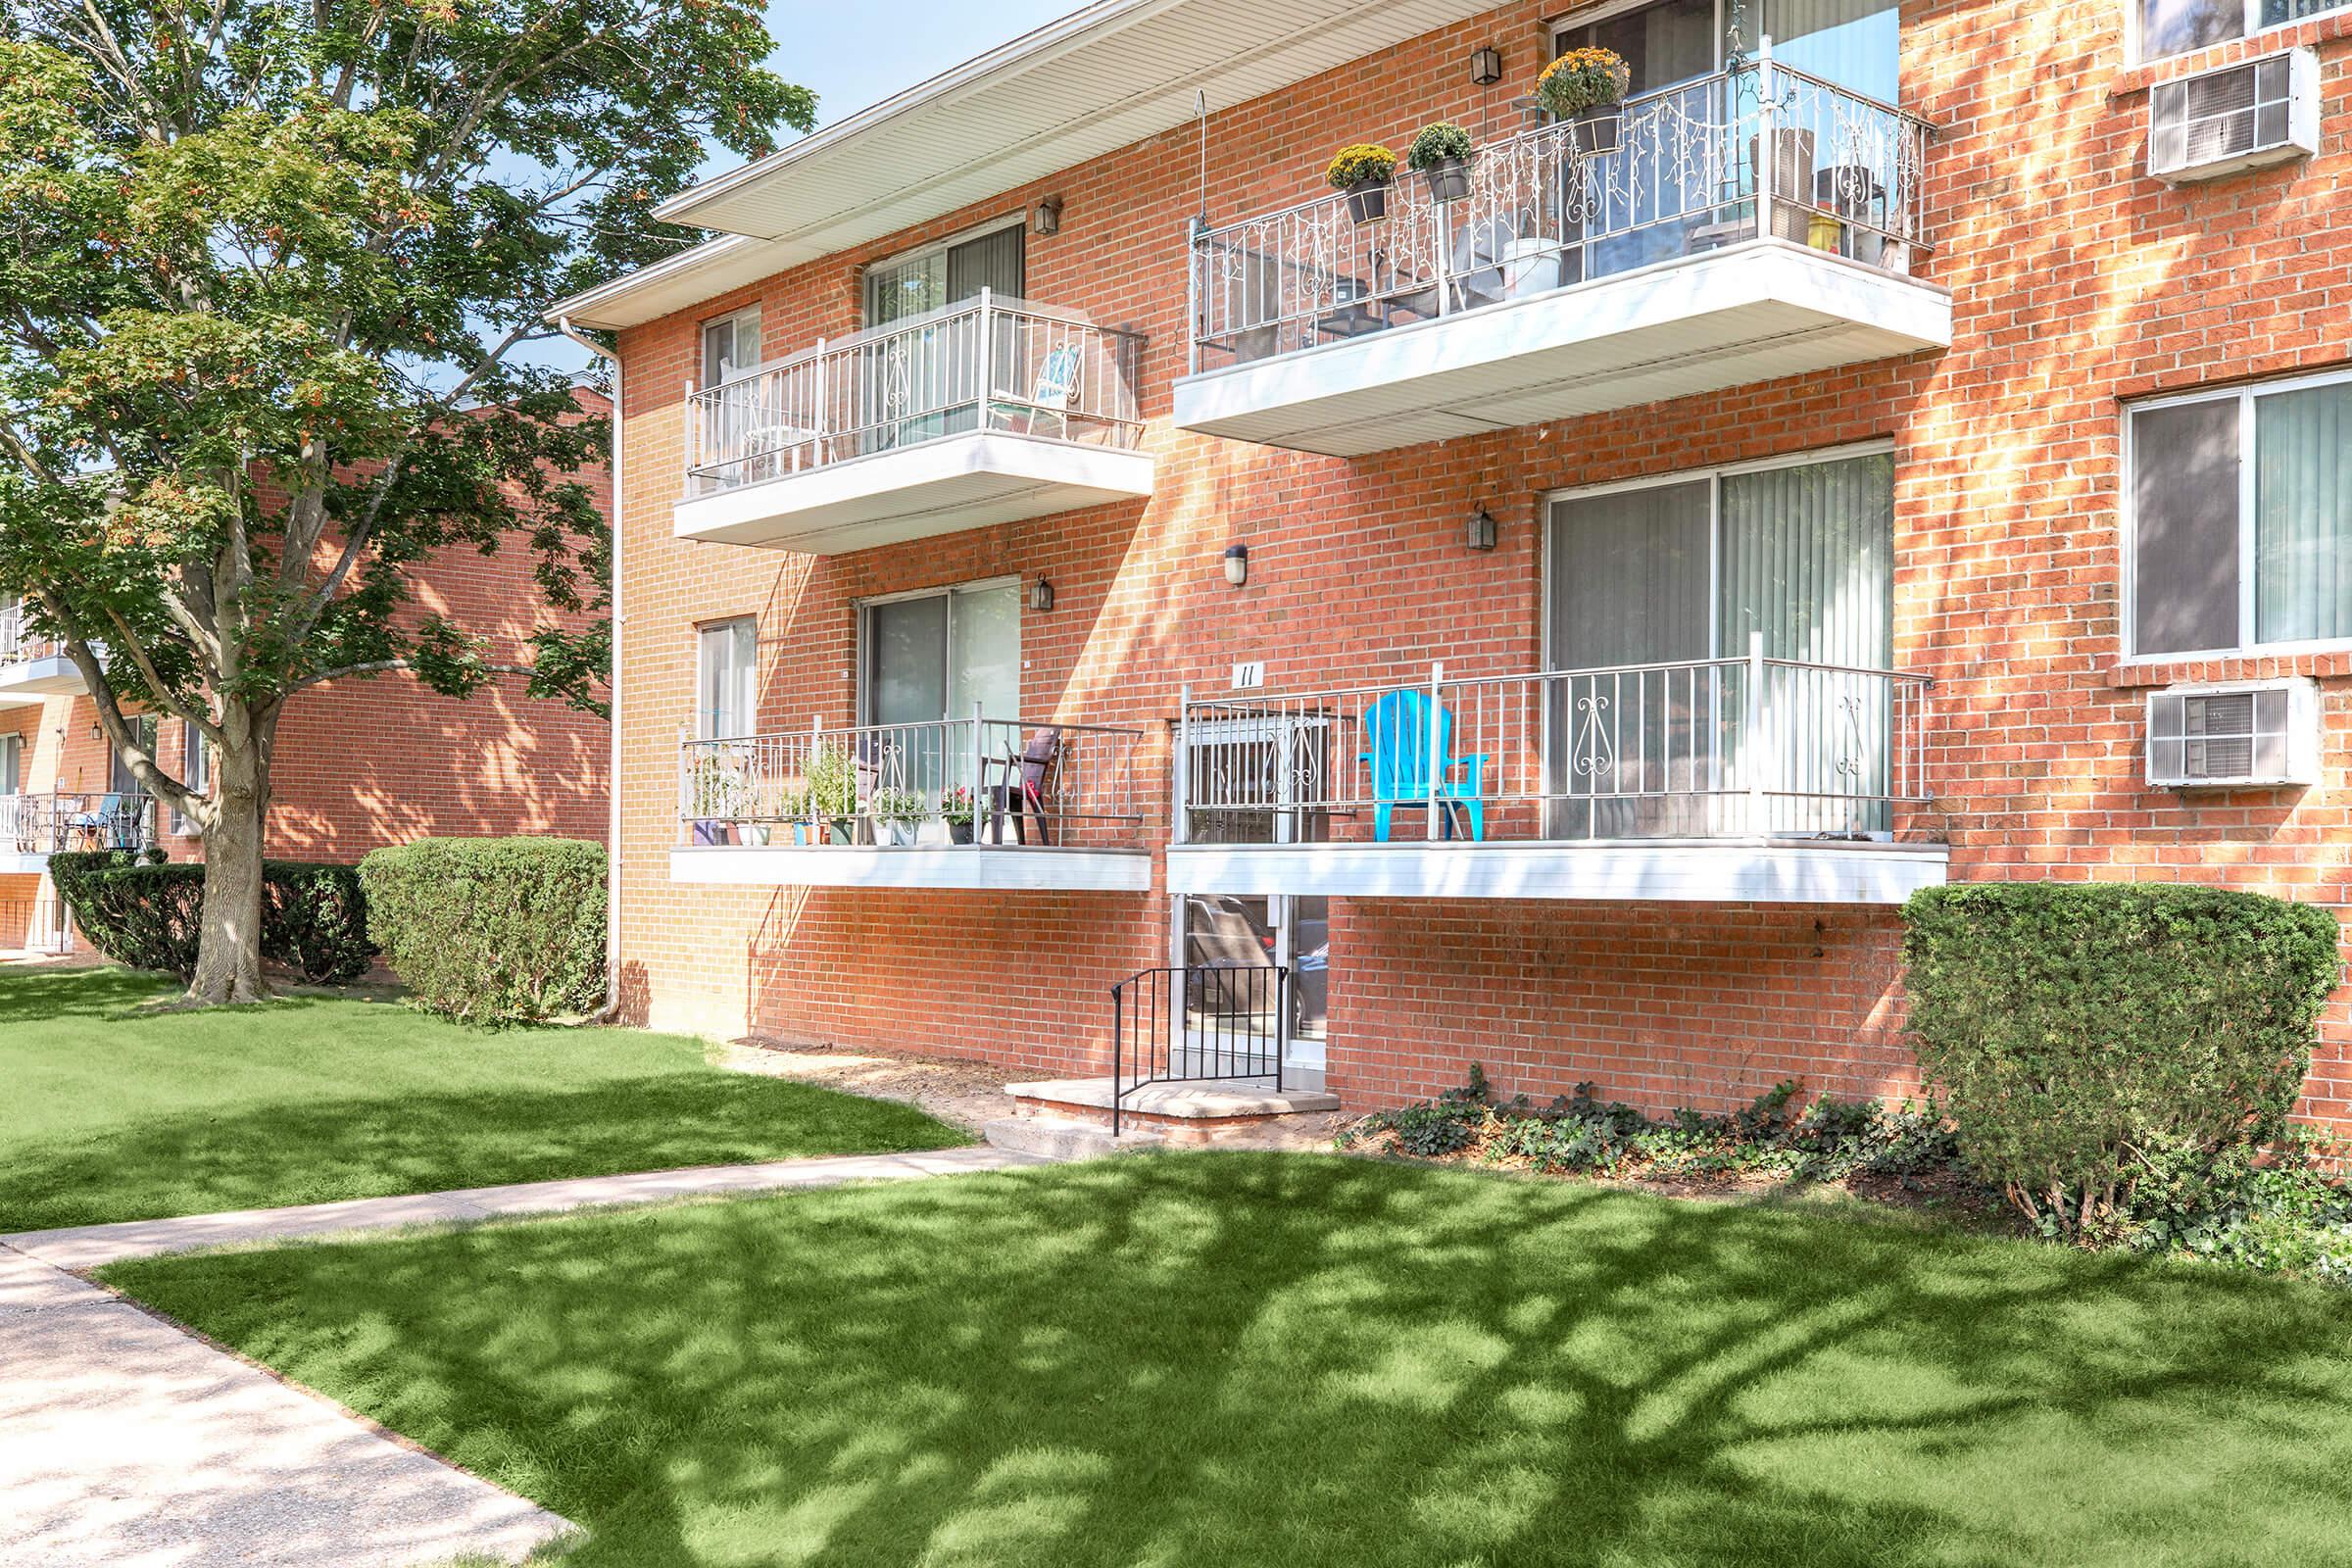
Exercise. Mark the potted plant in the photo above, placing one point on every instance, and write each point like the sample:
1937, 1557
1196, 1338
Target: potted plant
833, 792
1363, 171
718, 790
896, 813
1440, 154
792, 806
1583, 88
957, 807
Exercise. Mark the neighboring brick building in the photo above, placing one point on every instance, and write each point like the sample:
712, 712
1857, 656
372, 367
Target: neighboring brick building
1826, 458
361, 762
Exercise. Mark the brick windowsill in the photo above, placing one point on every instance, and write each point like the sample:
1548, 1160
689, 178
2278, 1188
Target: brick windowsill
2331, 665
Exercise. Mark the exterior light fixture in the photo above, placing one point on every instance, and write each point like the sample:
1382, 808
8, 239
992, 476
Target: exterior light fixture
1047, 219
1041, 595
1480, 532
1486, 67
1237, 565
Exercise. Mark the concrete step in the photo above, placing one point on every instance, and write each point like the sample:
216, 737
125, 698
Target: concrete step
1061, 1138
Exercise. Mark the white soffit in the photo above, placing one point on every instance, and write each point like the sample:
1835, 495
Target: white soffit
1102, 78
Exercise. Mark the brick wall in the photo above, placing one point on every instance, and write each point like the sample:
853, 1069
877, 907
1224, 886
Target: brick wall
2077, 283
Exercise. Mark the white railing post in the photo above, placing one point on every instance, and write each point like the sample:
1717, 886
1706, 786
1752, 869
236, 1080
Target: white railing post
820, 411
1436, 749
1195, 252
1768, 152
690, 441
985, 372
816, 810
979, 769
686, 762
1759, 752
1180, 774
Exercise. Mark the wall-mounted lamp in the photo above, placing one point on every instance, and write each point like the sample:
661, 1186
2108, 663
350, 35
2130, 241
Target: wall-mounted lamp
1041, 595
1480, 532
1486, 67
1237, 565
1048, 217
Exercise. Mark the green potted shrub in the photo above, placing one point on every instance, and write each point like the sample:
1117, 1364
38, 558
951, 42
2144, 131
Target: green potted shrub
1440, 154
1584, 87
833, 792
792, 806
717, 791
1363, 171
896, 815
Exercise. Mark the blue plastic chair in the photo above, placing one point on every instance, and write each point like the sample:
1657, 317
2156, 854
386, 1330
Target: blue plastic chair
1397, 730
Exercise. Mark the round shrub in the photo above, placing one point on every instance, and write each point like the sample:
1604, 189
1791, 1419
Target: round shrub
2087, 1035
492, 930
139, 910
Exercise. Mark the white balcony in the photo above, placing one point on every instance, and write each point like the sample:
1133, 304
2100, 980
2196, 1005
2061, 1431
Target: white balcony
32, 667
1001, 804
1575, 279
1741, 780
36, 825
986, 412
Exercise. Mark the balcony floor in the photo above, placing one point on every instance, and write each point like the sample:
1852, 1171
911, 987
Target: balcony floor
943, 485
1742, 871
993, 867
1748, 312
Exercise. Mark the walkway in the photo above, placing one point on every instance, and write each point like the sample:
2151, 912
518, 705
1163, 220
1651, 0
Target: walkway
128, 1444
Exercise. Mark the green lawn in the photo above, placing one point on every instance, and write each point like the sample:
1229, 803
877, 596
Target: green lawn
109, 1112
1242, 1360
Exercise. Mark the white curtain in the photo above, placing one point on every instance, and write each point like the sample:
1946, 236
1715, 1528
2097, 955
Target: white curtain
2303, 514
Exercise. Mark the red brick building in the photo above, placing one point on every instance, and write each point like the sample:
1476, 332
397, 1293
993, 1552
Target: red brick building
361, 762
1553, 622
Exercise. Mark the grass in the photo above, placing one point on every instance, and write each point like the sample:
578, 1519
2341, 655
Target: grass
113, 1111
1249, 1359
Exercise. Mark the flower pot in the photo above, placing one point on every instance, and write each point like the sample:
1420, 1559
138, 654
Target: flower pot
709, 832
754, 834
1597, 130
1448, 179
1824, 232
897, 833
841, 830
800, 832
1368, 200
959, 832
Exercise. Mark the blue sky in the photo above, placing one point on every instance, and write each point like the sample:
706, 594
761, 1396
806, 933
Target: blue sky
852, 53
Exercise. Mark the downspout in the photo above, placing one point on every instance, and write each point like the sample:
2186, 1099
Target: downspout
612, 1004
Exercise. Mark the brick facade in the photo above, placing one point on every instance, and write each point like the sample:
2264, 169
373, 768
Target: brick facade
2077, 283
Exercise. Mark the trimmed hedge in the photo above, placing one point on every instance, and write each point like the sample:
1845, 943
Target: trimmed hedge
494, 930
139, 910
2089, 1035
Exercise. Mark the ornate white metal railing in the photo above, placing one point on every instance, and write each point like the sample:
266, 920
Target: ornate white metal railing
1747, 748
981, 781
994, 362
47, 822
19, 643
1673, 173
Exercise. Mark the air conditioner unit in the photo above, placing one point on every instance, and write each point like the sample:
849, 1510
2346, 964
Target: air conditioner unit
2241, 117
2236, 735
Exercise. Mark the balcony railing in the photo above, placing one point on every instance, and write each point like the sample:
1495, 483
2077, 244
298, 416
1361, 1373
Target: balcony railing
994, 362
978, 781
1563, 204
47, 823
19, 643
1751, 747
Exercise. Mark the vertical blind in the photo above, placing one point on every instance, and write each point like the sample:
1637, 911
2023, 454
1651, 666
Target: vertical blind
2303, 514
1808, 560
1854, 43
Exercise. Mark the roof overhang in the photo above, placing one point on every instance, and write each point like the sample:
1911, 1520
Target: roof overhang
1102, 78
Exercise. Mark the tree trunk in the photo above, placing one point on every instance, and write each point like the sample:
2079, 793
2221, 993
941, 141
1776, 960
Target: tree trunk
229, 958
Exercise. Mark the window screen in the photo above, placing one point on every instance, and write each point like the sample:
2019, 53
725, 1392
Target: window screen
2185, 582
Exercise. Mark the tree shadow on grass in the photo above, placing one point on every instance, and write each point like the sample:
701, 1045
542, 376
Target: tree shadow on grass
1243, 1359
30, 996
308, 1151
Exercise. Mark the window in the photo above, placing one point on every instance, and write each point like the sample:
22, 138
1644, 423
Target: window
931, 657
731, 347
2177, 26
2240, 528
196, 771
728, 684
12, 764
944, 274
1855, 43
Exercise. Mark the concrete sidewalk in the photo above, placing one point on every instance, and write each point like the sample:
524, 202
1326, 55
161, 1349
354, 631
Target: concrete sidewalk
126, 1444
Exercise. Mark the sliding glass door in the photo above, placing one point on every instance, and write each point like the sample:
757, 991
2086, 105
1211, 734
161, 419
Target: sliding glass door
926, 382
1654, 593
932, 657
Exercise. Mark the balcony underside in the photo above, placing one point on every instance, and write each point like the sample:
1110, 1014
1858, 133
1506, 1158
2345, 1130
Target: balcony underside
992, 867
1751, 313
931, 487
32, 681
24, 863
1705, 873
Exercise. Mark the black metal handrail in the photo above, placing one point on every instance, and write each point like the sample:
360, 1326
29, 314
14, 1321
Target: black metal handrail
1195, 1023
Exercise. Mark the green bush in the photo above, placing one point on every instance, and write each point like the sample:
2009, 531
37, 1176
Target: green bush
139, 910
2090, 1038
494, 930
